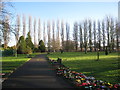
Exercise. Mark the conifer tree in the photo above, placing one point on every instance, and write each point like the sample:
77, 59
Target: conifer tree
29, 41
41, 46
21, 45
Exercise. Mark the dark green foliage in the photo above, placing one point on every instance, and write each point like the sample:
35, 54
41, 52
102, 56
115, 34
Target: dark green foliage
8, 52
21, 45
36, 49
29, 41
2, 45
106, 51
25, 46
41, 46
61, 51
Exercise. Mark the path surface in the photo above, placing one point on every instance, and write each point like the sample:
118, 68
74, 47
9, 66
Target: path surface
36, 73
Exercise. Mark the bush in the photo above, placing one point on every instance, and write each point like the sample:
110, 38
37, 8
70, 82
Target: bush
36, 50
21, 46
28, 50
8, 52
41, 46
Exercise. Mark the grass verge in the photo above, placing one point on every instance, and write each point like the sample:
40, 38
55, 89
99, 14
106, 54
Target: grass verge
105, 69
10, 63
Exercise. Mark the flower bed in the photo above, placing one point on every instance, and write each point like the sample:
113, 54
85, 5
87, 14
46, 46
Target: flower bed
80, 80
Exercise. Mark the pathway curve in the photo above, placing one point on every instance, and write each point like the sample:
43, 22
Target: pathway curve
36, 73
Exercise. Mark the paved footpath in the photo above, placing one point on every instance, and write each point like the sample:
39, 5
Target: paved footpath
36, 73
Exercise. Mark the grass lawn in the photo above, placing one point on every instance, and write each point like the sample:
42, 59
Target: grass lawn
10, 63
105, 69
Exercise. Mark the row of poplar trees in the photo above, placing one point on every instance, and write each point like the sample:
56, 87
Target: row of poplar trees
86, 35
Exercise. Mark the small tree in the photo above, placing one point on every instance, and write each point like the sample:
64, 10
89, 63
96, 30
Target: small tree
29, 41
21, 45
41, 46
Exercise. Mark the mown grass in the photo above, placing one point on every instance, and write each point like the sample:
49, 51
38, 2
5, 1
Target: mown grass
11, 63
105, 69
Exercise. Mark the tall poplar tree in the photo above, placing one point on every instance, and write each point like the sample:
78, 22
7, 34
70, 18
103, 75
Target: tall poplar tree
53, 37
44, 33
90, 35
58, 36
94, 28
62, 34
103, 35
39, 30
99, 35
35, 43
81, 37
67, 44
49, 35
24, 26
75, 35
30, 25
85, 36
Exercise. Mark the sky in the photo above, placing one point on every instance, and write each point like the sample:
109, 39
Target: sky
68, 11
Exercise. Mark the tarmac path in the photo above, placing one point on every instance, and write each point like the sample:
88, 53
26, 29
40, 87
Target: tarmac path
36, 73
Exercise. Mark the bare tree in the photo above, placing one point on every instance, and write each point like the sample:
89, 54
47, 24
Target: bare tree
81, 37
62, 34
49, 35
1, 6
24, 26
30, 25
6, 31
90, 35
75, 35
117, 28
3, 13
85, 36
103, 34
4, 5
58, 36
94, 28
67, 45
53, 37
108, 32
17, 34
44, 34
112, 35
35, 43
39, 30
99, 35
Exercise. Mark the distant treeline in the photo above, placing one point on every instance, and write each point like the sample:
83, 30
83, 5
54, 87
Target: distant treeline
86, 35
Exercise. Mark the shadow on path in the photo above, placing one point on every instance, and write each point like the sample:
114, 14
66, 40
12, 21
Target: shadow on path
36, 73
